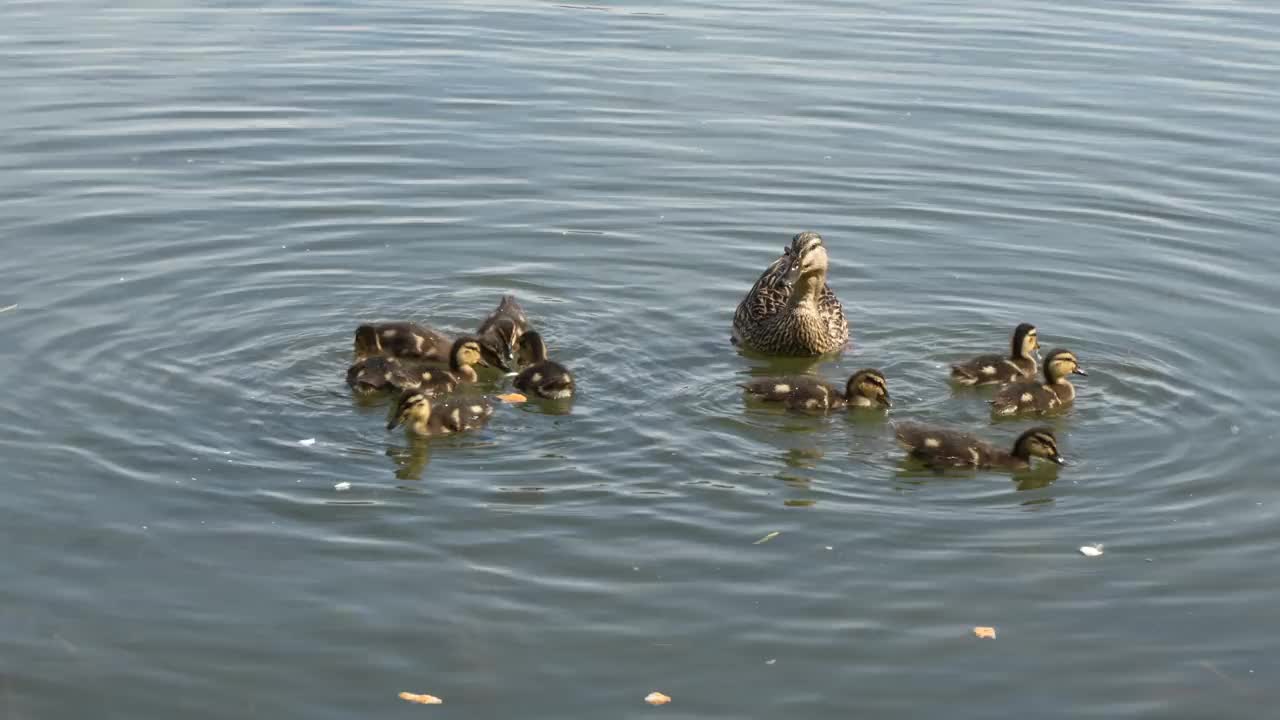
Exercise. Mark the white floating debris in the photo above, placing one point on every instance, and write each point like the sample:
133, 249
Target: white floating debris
7, 308
1091, 550
308, 442
771, 661
342, 486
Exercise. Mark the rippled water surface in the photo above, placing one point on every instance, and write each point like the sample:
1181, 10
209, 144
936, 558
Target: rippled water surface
199, 202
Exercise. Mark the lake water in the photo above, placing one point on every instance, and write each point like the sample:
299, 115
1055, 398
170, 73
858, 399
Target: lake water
199, 202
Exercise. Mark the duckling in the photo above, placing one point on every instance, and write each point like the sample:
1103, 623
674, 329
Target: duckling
541, 377
500, 332
942, 448
421, 416
791, 310
1032, 397
990, 369
864, 389
379, 372
402, 339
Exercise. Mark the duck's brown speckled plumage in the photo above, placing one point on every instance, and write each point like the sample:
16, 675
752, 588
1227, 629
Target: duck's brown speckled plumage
944, 448
1038, 398
791, 310
421, 415
500, 333
807, 393
1020, 364
541, 377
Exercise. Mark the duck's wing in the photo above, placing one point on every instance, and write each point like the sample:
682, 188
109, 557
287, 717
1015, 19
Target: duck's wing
769, 295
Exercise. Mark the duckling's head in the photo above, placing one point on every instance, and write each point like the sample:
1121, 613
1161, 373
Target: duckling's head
367, 342
498, 343
808, 257
531, 348
870, 384
1060, 364
1026, 341
413, 407
1038, 442
465, 351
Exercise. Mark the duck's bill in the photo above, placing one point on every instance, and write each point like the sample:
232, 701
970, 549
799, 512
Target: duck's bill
1080, 371
1060, 460
884, 400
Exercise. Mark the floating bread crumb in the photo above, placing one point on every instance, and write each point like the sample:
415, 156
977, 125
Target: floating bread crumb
985, 632
512, 398
421, 699
657, 698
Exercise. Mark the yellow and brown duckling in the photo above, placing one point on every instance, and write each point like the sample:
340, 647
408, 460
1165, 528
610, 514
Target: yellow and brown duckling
1035, 398
500, 333
791, 310
865, 389
942, 448
380, 372
541, 377
402, 340
992, 369
421, 415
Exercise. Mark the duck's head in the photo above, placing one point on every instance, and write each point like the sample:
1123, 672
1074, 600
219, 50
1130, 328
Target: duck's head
1038, 442
1026, 341
870, 384
413, 407
1060, 364
531, 348
465, 352
808, 257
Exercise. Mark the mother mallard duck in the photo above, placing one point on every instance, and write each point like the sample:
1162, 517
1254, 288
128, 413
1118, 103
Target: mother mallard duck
791, 310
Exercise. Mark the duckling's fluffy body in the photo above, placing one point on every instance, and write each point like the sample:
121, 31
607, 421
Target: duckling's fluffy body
402, 340
791, 310
992, 369
944, 448
541, 377
807, 393
1038, 398
382, 373
423, 416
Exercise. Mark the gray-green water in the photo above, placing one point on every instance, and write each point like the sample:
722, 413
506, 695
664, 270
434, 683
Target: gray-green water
198, 202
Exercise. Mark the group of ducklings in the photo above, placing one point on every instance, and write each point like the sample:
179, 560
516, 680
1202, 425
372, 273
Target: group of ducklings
430, 372
792, 311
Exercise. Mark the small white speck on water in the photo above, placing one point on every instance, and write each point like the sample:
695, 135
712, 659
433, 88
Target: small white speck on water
829, 547
1235, 429
342, 486
1091, 550
771, 661
144, 527
308, 442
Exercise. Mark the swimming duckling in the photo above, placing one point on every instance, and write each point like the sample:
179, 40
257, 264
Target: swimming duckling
791, 310
942, 448
421, 416
989, 369
1037, 398
379, 372
402, 339
541, 377
500, 332
864, 389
